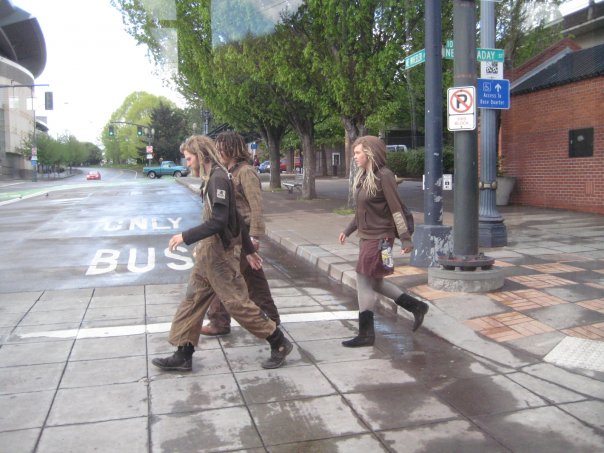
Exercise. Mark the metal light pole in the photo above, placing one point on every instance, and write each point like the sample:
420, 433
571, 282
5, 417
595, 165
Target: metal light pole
465, 210
492, 231
465, 269
34, 148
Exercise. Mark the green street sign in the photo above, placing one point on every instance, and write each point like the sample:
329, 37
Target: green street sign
497, 55
490, 55
418, 57
448, 53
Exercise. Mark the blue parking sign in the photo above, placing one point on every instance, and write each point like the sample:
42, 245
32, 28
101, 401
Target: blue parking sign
493, 94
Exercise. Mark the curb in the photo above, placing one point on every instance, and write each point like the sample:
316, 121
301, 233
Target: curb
438, 322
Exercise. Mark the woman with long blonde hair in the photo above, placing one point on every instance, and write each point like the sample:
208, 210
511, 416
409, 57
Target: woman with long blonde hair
379, 218
216, 269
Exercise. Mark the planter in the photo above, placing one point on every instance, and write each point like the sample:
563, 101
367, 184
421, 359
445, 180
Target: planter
505, 186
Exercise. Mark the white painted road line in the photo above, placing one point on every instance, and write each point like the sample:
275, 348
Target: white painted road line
120, 331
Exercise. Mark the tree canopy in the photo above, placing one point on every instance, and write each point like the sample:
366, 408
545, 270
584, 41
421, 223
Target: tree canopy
326, 58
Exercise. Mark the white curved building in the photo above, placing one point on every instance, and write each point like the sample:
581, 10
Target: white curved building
22, 59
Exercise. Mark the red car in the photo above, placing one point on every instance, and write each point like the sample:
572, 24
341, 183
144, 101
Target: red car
93, 175
297, 164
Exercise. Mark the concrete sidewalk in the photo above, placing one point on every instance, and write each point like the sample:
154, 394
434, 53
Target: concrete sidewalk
551, 305
517, 370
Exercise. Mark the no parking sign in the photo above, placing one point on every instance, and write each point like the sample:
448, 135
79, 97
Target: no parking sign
461, 108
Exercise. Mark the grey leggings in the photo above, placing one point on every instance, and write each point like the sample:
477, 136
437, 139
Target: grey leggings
368, 289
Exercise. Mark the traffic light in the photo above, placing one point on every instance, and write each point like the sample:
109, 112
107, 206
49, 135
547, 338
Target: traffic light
111, 131
48, 100
139, 131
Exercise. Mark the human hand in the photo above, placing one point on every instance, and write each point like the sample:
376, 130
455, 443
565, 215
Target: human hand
405, 250
175, 241
255, 243
254, 260
342, 238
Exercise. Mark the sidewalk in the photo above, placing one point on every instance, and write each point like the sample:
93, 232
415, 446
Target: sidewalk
502, 372
551, 305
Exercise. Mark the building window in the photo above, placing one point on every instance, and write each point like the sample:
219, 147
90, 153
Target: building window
335, 159
581, 142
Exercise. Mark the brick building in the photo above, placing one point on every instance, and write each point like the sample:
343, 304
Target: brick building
552, 138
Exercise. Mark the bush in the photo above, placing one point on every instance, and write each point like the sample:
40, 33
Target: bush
410, 164
415, 163
397, 162
448, 160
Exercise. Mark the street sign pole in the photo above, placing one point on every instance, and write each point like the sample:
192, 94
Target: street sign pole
432, 238
465, 209
491, 229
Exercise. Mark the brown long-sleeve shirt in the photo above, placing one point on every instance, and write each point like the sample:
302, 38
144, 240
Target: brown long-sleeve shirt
248, 195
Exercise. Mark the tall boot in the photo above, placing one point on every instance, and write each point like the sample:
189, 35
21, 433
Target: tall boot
415, 306
181, 360
366, 336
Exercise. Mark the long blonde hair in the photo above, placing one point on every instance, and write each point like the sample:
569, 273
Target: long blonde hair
366, 177
202, 146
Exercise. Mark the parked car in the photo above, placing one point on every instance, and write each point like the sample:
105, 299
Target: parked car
264, 167
167, 167
93, 174
396, 148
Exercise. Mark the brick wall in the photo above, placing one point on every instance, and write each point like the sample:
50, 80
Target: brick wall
534, 144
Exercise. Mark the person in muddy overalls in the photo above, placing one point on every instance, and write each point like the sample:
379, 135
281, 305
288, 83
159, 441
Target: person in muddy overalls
248, 194
216, 271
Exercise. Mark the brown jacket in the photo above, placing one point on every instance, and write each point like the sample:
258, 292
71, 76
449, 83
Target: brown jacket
374, 217
248, 196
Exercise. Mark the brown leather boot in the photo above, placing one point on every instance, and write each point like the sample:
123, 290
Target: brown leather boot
213, 331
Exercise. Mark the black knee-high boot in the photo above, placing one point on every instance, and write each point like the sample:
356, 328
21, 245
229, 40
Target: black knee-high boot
415, 306
366, 336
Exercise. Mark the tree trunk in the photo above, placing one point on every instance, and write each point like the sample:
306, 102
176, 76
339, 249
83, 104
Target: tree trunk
310, 163
273, 135
304, 125
354, 130
323, 155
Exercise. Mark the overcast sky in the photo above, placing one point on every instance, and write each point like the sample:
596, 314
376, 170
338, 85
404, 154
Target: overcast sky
92, 65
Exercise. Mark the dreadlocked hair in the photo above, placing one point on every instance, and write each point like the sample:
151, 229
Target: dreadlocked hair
366, 177
232, 146
203, 146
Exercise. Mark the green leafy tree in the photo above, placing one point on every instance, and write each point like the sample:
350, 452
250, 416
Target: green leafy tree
74, 152
135, 110
94, 155
356, 47
523, 28
171, 129
247, 98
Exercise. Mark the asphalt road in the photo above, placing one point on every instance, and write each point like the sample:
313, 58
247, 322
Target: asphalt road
74, 233
81, 234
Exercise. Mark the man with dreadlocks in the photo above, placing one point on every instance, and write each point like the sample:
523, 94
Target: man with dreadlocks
216, 270
248, 194
379, 217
